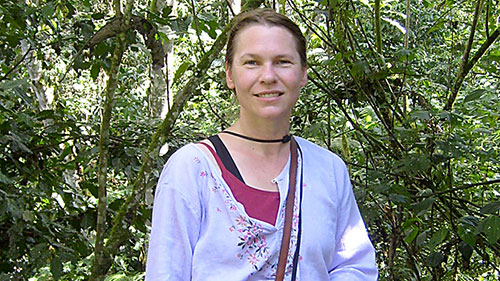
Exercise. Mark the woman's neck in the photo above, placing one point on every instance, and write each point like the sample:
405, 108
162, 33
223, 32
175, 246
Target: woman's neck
263, 131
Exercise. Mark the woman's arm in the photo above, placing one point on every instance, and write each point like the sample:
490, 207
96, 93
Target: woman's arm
176, 221
354, 257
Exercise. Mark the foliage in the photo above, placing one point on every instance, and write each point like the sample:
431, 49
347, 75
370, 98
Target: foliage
428, 176
424, 159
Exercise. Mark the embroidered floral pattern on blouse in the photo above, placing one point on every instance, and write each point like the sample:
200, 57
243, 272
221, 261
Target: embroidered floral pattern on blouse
251, 237
251, 241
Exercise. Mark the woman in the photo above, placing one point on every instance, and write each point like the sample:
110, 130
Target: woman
219, 210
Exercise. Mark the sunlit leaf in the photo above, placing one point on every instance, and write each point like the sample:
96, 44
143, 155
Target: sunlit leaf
411, 235
396, 24
164, 149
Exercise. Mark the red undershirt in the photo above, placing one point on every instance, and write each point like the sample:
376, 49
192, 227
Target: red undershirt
259, 204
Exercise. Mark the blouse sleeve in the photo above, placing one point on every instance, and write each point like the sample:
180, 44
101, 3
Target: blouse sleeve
176, 220
354, 257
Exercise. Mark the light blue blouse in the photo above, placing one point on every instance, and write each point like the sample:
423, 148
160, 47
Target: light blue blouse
200, 232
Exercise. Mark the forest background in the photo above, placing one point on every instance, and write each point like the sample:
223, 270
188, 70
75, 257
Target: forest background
95, 95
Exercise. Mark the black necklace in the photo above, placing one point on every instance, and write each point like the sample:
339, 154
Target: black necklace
285, 138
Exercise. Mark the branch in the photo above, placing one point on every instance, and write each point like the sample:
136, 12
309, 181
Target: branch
17, 64
119, 25
378, 35
477, 56
462, 72
104, 154
120, 232
121, 46
463, 187
314, 29
230, 6
197, 27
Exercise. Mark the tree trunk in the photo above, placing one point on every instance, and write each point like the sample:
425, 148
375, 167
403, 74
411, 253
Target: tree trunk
104, 150
120, 231
159, 93
99, 251
34, 70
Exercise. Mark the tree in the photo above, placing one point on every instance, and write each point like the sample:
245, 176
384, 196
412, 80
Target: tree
403, 138
406, 93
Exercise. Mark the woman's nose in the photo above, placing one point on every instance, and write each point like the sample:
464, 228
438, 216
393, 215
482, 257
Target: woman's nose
268, 74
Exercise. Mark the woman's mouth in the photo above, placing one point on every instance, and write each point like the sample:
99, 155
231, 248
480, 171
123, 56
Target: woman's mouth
269, 95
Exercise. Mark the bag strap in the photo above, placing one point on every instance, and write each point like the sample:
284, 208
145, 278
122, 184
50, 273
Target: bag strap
225, 156
290, 200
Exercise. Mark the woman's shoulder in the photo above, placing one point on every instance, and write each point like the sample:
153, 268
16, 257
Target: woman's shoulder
187, 156
313, 151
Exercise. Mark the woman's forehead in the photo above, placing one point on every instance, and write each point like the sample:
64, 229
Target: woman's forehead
264, 38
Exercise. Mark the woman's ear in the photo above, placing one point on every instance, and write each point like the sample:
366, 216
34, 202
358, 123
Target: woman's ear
229, 77
304, 77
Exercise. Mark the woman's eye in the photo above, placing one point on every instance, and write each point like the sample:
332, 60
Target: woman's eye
251, 62
285, 62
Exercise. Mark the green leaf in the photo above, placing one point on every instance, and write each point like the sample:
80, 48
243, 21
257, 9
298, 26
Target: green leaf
13, 84
94, 71
491, 208
82, 248
435, 259
102, 49
48, 10
360, 67
18, 143
421, 207
166, 11
399, 194
491, 229
410, 223
13, 209
476, 94
397, 198
466, 233
56, 267
4, 178
421, 238
98, 16
180, 71
466, 250
422, 115
411, 235
437, 238
163, 36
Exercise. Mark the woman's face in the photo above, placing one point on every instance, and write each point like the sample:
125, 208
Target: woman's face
266, 72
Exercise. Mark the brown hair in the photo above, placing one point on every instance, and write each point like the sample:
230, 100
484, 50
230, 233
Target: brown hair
265, 17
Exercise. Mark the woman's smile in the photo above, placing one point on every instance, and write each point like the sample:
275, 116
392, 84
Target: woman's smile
266, 73
270, 94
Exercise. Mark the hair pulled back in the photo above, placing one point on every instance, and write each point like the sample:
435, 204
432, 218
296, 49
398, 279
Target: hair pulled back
267, 17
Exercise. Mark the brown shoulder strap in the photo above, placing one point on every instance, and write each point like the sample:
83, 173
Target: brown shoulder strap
290, 200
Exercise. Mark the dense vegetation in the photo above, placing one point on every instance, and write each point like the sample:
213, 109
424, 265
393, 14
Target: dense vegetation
407, 92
